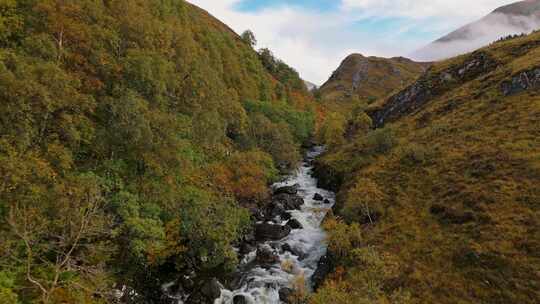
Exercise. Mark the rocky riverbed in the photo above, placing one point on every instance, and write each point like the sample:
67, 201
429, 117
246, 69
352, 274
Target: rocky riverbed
287, 248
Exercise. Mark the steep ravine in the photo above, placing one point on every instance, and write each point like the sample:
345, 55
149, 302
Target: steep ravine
288, 243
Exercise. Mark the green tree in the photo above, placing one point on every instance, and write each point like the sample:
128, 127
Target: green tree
249, 38
10, 21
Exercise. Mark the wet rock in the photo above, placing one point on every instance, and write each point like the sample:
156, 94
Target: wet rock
210, 291
289, 202
246, 248
266, 256
291, 190
285, 216
274, 209
318, 197
257, 214
250, 238
240, 299
324, 267
271, 232
327, 202
285, 294
288, 248
294, 224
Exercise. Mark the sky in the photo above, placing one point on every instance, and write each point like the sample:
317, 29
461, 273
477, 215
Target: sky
314, 36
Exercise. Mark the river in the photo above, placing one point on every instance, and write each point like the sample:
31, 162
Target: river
261, 284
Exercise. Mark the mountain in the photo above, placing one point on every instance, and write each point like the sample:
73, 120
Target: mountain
520, 17
438, 196
370, 78
310, 85
135, 136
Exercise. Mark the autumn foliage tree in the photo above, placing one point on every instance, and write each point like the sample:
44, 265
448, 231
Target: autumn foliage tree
127, 150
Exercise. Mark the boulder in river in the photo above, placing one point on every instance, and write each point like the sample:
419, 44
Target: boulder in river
288, 248
327, 202
294, 224
291, 190
240, 299
274, 209
285, 294
318, 197
289, 202
256, 214
266, 256
271, 232
246, 248
208, 293
324, 267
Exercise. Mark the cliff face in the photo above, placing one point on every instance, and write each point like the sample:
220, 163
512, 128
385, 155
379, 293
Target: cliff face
436, 81
370, 77
431, 85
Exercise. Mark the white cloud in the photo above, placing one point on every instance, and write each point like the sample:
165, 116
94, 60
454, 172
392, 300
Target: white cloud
421, 9
315, 42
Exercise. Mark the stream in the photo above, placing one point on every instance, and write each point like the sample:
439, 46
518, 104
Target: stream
261, 283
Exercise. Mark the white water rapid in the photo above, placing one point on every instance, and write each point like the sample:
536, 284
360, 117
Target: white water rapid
261, 285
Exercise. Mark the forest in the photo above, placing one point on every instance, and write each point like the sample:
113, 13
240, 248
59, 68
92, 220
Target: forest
134, 136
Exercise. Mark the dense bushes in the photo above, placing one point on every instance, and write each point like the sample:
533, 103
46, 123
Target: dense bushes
364, 202
275, 127
127, 152
301, 123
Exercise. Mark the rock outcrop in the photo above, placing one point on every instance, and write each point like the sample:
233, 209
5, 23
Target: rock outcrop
523, 81
271, 232
266, 256
431, 85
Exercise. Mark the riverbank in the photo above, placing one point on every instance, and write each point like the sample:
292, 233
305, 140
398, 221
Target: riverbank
282, 256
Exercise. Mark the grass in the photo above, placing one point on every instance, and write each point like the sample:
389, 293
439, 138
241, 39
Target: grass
462, 187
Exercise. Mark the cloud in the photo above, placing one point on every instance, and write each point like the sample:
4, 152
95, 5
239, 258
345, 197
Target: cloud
315, 41
421, 9
477, 35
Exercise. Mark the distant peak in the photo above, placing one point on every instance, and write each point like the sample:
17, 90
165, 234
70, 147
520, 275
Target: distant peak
523, 8
355, 55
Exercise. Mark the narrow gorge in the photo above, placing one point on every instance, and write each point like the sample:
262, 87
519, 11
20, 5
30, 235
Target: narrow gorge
288, 247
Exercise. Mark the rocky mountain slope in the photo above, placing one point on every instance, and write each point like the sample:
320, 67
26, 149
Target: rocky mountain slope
517, 18
440, 203
370, 78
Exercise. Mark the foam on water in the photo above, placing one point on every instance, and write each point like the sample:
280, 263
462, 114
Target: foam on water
260, 285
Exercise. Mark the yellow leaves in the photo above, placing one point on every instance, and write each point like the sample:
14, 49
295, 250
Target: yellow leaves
366, 189
332, 131
364, 201
60, 156
342, 238
173, 243
245, 175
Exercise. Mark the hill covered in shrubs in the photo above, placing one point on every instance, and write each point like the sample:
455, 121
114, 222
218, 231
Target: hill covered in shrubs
439, 186
134, 135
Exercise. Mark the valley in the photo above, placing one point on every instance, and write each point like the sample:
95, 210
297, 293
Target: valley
150, 154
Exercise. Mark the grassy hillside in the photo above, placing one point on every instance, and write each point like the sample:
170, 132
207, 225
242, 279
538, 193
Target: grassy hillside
370, 78
440, 204
133, 134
